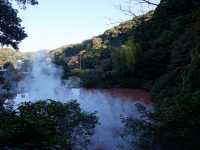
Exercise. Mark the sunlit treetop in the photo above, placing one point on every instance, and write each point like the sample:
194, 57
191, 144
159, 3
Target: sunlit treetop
11, 31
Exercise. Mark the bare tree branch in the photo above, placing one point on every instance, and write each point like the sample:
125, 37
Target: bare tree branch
133, 8
148, 2
127, 11
129, 6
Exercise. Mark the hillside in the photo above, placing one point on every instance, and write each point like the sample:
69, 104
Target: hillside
158, 51
10, 55
114, 37
95, 53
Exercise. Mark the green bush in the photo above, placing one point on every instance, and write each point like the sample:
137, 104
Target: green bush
46, 125
125, 57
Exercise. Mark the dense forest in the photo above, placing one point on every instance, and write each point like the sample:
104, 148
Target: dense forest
158, 51
45, 124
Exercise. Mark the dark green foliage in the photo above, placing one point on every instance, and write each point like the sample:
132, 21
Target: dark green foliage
59, 61
172, 81
46, 125
164, 56
191, 78
99, 53
26, 2
179, 122
11, 31
180, 56
173, 125
110, 67
173, 8
125, 57
152, 64
170, 62
70, 51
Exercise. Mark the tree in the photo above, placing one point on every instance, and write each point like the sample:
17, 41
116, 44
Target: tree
125, 57
46, 125
150, 2
59, 61
129, 7
11, 31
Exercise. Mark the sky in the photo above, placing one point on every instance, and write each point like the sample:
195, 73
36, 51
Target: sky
52, 24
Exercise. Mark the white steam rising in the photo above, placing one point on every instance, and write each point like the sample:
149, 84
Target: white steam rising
44, 82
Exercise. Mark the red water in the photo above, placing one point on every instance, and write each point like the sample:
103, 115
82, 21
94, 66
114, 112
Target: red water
110, 105
134, 95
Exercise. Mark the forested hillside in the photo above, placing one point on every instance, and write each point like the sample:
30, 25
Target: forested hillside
159, 51
10, 55
94, 59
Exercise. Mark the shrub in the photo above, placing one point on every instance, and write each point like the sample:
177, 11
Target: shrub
46, 125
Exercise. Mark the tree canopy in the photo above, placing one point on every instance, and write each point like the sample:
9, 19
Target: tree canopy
11, 31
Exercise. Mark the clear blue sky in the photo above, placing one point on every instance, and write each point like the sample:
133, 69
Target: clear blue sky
54, 23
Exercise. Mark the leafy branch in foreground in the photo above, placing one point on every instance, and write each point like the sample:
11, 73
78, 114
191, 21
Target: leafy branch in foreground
46, 125
11, 31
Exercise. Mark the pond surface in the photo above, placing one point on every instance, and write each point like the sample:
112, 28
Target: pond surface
110, 105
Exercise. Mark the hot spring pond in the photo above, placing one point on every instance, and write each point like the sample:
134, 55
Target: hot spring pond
110, 105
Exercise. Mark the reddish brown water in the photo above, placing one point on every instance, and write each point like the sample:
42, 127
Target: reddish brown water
110, 105
134, 95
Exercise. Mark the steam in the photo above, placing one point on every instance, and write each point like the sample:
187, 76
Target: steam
44, 82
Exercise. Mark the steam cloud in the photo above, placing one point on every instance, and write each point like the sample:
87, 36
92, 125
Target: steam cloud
44, 82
